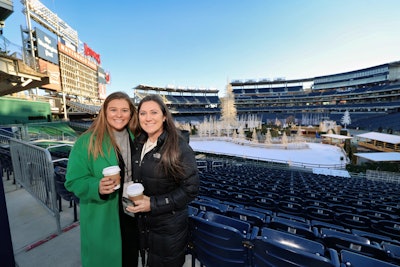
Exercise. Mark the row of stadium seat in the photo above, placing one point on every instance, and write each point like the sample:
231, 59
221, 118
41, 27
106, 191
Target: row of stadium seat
223, 240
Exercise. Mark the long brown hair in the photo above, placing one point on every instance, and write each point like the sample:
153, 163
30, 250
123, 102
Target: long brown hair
170, 161
101, 129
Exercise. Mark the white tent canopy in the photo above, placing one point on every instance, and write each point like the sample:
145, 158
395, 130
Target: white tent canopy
386, 138
380, 156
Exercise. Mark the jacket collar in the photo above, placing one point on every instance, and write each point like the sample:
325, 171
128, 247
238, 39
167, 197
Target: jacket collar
142, 138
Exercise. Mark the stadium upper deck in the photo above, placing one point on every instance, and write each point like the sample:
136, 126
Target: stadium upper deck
366, 93
186, 104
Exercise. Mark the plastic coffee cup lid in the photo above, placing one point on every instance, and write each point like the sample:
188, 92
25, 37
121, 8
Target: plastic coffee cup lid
111, 170
135, 189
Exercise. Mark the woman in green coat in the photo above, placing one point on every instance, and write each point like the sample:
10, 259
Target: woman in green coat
109, 237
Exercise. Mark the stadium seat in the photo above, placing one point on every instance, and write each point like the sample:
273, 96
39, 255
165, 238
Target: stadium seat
351, 220
388, 208
387, 227
319, 213
293, 227
341, 208
280, 249
209, 206
218, 240
62, 192
377, 238
253, 217
315, 203
393, 251
352, 259
6, 162
292, 217
220, 194
376, 215
192, 211
261, 210
322, 224
264, 202
292, 198
240, 198
341, 240
290, 207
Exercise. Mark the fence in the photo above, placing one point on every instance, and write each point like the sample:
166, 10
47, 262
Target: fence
391, 177
34, 170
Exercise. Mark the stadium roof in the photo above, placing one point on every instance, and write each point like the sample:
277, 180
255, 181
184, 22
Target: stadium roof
267, 81
176, 89
380, 156
386, 138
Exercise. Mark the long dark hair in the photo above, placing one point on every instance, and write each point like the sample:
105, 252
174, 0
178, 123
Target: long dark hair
170, 162
101, 129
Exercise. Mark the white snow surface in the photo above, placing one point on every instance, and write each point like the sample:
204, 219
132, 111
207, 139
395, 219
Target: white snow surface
315, 156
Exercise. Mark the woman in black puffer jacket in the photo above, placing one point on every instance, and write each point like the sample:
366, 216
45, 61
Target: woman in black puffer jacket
166, 166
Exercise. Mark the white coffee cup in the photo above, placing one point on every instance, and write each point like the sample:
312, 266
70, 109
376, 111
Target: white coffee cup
135, 191
113, 173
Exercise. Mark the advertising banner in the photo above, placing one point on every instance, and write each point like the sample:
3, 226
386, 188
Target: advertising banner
46, 46
53, 71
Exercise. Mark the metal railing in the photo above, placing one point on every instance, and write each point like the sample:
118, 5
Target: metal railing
34, 170
383, 176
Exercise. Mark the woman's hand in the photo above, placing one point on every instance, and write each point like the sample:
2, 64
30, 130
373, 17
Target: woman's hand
106, 186
142, 205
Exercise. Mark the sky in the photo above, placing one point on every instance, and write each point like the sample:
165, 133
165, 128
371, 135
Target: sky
208, 43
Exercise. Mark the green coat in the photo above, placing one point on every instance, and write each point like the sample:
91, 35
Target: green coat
99, 218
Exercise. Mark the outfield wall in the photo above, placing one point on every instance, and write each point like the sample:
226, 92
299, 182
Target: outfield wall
16, 111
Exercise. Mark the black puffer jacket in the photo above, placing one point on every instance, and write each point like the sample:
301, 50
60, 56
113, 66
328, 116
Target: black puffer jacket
166, 225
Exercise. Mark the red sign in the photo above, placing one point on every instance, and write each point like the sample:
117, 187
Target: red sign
71, 53
89, 52
108, 77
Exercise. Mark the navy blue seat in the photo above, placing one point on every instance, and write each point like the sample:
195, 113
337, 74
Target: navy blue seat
293, 227
261, 210
264, 202
387, 227
292, 217
393, 251
253, 217
388, 208
360, 203
209, 206
340, 208
316, 203
280, 249
292, 198
374, 236
63, 193
192, 211
290, 207
217, 240
351, 220
341, 240
240, 198
376, 215
220, 194
352, 259
319, 213
322, 224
